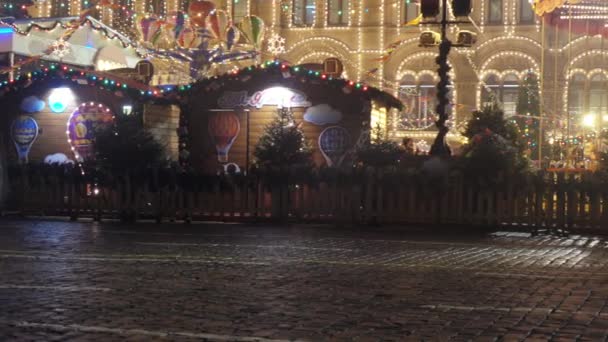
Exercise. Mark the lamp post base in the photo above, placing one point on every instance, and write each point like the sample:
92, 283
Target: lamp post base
440, 147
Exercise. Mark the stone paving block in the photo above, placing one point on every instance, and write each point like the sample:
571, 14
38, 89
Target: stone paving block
297, 282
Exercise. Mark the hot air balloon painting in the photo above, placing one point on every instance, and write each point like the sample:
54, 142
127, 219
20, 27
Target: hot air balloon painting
252, 29
189, 38
218, 23
232, 37
334, 141
198, 12
150, 30
176, 21
223, 129
82, 125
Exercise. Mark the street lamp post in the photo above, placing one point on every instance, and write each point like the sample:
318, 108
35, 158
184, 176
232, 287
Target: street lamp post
460, 8
440, 147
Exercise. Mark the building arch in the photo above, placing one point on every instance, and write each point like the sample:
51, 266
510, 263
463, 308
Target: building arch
416, 79
584, 90
500, 74
318, 57
317, 49
305, 44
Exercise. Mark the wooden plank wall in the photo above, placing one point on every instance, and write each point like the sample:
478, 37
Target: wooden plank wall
52, 137
162, 122
203, 152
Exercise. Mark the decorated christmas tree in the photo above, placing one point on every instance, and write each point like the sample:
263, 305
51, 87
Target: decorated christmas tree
283, 143
495, 146
528, 109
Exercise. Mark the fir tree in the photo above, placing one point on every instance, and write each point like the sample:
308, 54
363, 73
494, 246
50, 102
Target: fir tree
528, 107
495, 146
126, 145
378, 150
283, 143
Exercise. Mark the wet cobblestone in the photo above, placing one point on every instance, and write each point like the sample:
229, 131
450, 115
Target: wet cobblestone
103, 282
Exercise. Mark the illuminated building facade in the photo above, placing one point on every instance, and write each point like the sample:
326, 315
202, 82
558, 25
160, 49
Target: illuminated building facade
511, 43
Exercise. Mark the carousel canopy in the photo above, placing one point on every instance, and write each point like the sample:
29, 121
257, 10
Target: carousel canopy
93, 44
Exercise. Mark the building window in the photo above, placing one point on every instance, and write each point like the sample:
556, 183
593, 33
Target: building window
60, 9
156, 7
410, 10
304, 12
495, 12
587, 98
337, 12
598, 97
505, 91
239, 10
419, 98
510, 93
576, 99
526, 14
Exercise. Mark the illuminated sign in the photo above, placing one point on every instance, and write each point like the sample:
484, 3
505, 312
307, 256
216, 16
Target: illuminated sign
276, 96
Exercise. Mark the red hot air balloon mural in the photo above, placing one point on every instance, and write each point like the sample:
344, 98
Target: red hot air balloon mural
198, 12
223, 129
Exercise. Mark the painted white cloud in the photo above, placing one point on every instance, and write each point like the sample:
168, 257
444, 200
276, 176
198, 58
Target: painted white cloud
322, 114
57, 158
32, 104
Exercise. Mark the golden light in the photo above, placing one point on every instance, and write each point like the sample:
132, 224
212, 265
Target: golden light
589, 120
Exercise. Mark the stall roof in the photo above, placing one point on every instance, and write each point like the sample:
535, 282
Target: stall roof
274, 73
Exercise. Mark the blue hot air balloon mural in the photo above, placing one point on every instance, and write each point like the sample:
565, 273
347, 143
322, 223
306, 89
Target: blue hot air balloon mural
334, 142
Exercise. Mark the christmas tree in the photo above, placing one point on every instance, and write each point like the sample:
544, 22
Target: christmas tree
528, 107
15, 8
283, 143
379, 151
495, 146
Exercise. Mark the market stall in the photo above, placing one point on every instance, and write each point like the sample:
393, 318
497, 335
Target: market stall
224, 117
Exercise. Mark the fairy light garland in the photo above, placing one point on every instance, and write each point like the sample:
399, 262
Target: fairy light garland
93, 79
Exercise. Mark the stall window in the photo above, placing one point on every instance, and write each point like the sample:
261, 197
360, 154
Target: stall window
526, 13
409, 10
337, 12
60, 9
495, 12
239, 10
303, 12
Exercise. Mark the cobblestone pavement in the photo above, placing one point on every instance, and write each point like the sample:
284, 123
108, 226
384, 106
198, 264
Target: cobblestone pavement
107, 282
